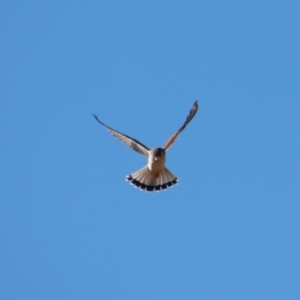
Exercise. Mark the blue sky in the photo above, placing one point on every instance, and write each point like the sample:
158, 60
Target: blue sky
71, 227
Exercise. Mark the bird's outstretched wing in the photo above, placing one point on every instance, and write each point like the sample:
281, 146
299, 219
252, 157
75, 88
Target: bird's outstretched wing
189, 118
132, 143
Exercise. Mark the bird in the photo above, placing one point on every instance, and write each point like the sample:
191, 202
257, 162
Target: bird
154, 176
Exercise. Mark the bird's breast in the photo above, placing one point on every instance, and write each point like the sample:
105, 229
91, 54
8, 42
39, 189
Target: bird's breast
156, 165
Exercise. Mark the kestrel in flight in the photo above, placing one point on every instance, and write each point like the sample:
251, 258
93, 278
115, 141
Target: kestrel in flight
155, 175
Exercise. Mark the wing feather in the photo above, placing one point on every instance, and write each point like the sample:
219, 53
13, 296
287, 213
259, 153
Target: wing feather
129, 141
189, 118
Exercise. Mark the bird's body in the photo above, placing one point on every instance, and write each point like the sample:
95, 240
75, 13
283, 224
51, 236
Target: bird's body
155, 175
156, 159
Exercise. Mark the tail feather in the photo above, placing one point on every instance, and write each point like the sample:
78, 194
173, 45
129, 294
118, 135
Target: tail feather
146, 180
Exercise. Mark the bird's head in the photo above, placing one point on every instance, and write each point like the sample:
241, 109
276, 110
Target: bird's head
158, 154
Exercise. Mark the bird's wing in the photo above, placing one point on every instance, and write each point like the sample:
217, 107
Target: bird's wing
132, 143
189, 118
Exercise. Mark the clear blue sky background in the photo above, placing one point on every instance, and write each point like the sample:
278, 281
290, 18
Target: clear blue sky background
71, 227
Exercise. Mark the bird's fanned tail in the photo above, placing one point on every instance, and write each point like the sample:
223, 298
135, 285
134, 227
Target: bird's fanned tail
147, 180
